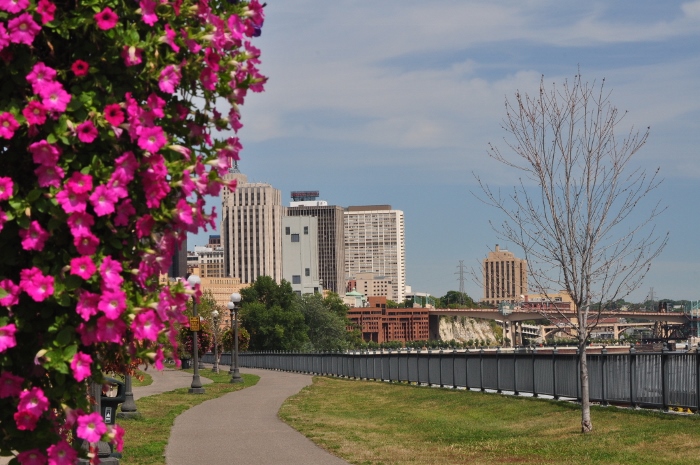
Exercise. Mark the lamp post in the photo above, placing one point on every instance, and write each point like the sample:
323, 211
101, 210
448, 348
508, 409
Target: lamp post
215, 316
235, 375
196, 386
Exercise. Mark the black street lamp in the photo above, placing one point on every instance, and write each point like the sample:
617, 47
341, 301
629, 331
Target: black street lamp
235, 375
215, 316
196, 386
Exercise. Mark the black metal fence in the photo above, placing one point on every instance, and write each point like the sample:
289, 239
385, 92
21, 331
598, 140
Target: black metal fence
646, 379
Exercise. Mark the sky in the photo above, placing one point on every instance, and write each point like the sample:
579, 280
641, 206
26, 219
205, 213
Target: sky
396, 102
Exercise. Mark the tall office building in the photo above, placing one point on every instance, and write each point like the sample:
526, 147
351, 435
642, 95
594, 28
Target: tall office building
505, 277
251, 225
331, 246
374, 243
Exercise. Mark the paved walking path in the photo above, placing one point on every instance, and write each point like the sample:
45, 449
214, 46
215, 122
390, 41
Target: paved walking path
164, 381
242, 427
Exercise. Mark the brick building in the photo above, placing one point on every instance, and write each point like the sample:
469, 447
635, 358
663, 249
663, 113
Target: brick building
381, 324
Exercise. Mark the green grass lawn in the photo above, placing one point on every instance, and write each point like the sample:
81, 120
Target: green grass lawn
147, 435
380, 423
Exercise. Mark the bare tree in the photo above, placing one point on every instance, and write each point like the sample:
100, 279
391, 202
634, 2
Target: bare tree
579, 211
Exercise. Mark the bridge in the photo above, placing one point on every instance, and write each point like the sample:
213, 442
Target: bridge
663, 323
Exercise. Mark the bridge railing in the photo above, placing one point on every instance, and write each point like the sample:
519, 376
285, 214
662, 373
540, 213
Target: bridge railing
662, 380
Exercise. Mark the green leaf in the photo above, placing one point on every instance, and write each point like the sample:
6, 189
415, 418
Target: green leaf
34, 195
70, 351
72, 282
65, 336
51, 139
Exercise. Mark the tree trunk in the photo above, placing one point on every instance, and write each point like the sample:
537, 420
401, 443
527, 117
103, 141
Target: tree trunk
586, 424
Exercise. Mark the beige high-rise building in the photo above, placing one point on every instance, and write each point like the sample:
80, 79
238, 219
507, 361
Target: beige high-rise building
251, 230
505, 277
374, 243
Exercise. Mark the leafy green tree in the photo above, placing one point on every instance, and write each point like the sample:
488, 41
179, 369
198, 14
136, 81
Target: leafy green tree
327, 329
274, 328
455, 299
272, 317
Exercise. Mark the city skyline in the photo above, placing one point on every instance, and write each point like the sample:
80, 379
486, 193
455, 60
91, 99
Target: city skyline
396, 103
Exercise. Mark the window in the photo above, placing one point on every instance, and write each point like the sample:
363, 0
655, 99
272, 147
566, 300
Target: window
296, 279
306, 230
307, 272
286, 231
295, 237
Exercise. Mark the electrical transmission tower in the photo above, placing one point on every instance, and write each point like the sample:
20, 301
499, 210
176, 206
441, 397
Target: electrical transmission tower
462, 293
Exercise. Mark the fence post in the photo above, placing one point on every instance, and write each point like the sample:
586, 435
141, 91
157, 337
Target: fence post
481, 369
554, 373
697, 379
418, 366
454, 372
498, 369
633, 377
515, 372
534, 375
664, 356
440, 357
466, 369
604, 367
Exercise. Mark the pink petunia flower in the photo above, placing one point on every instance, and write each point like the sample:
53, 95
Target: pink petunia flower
36, 284
25, 421
147, 325
44, 153
170, 36
81, 366
10, 385
103, 200
49, 176
87, 132
46, 10
14, 6
35, 113
72, 202
208, 78
152, 139
116, 433
124, 211
40, 75
110, 330
183, 212
54, 97
6, 188
4, 37
31, 457
7, 337
62, 454
86, 243
34, 401
34, 237
82, 267
110, 272
80, 68
3, 219
106, 19
132, 55
112, 303
113, 114
8, 125
13, 290
80, 222
169, 79
91, 427
79, 183
148, 11
23, 29
87, 304
144, 226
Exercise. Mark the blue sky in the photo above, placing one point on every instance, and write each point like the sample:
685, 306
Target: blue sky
395, 102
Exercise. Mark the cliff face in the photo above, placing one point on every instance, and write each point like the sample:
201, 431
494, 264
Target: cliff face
463, 329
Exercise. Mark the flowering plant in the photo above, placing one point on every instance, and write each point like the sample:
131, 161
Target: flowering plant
116, 119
